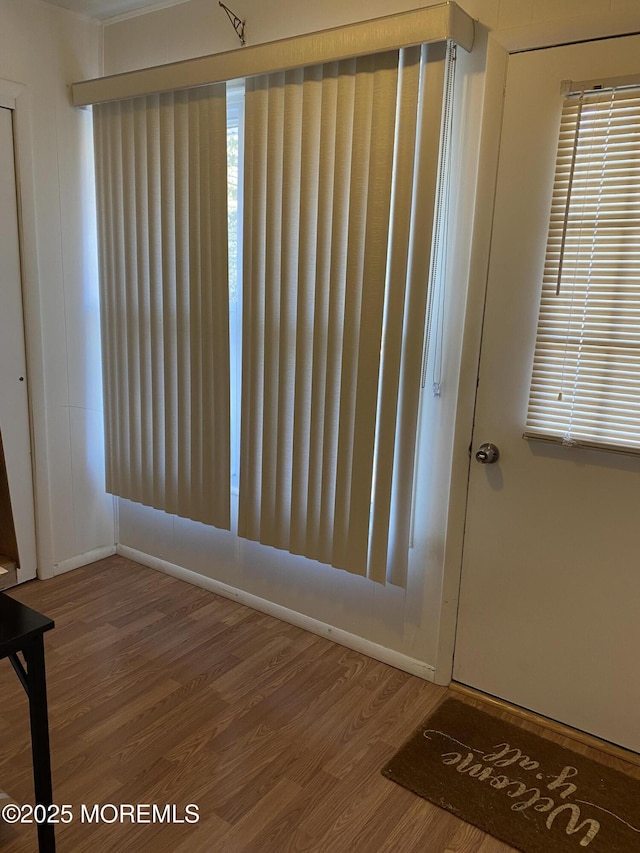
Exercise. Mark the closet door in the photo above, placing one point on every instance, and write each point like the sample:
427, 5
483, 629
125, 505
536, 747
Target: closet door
14, 406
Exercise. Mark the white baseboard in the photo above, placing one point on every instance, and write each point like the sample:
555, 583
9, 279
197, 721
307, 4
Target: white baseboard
84, 559
337, 635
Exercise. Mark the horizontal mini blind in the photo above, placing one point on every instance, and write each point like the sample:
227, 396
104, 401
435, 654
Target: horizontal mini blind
162, 213
341, 164
585, 386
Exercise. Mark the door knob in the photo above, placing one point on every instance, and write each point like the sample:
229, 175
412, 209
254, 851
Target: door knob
487, 454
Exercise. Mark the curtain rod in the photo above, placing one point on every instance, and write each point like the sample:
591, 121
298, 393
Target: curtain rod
420, 26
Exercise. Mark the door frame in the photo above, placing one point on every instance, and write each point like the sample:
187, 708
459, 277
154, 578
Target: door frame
17, 97
500, 45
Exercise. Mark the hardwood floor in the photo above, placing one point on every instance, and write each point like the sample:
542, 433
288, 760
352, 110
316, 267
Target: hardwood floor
160, 692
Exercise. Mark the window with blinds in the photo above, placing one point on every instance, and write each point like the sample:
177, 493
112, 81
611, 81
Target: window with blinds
265, 278
585, 387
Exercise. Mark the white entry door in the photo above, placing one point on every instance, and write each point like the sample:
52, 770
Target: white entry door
549, 613
14, 410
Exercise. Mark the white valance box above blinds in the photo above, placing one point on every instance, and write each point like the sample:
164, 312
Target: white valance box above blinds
585, 388
441, 23
341, 162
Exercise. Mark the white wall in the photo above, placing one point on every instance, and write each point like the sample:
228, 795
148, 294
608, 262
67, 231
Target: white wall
44, 49
409, 623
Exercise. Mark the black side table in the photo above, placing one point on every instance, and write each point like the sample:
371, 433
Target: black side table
22, 630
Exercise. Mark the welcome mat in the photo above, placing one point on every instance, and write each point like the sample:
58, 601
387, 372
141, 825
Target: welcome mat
523, 789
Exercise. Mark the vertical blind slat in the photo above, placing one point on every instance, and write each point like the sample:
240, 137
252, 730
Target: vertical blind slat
401, 206
271, 295
304, 466
157, 404
288, 410
198, 242
312, 528
143, 308
338, 209
355, 259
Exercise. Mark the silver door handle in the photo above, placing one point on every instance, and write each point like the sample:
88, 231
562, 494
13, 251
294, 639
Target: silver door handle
487, 454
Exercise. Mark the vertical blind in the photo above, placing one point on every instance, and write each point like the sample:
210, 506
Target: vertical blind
162, 218
340, 179
585, 387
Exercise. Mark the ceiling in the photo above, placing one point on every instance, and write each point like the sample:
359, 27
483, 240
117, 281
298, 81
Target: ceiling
103, 9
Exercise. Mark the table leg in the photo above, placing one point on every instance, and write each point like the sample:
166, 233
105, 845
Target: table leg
34, 656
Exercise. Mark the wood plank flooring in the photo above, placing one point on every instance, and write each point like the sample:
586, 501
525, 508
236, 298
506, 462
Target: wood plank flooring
160, 692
